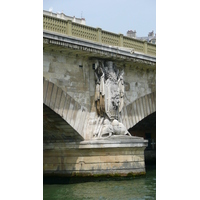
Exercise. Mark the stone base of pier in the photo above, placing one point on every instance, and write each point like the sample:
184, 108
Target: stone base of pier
115, 156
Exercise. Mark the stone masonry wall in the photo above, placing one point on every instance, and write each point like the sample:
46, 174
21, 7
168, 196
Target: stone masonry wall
75, 75
69, 73
138, 82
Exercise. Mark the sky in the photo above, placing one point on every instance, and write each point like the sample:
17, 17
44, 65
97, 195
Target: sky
117, 16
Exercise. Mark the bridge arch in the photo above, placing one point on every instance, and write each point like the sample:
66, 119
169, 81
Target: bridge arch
65, 106
138, 110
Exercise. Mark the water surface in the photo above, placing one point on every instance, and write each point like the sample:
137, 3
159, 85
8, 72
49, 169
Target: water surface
136, 188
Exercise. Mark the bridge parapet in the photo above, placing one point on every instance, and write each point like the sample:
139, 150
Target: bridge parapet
67, 27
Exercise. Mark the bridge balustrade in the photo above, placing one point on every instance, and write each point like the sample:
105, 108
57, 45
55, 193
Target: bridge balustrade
85, 32
151, 50
67, 27
131, 42
110, 38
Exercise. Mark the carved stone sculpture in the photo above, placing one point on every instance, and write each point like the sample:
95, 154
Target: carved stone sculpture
112, 128
109, 98
109, 83
119, 128
107, 129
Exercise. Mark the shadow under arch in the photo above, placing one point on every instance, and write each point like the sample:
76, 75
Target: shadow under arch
65, 106
56, 129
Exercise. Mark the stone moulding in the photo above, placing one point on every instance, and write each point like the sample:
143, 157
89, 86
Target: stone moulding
80, 44
112, 142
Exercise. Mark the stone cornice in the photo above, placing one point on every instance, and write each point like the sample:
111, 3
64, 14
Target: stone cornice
115, 142
85, 45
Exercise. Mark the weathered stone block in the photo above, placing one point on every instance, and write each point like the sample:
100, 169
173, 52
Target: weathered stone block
95, 157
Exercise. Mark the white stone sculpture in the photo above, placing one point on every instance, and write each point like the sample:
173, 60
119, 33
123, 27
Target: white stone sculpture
109, 98
107, 129
119, 128
112, 128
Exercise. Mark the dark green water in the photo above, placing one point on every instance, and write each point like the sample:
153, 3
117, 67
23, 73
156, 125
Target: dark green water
138, 189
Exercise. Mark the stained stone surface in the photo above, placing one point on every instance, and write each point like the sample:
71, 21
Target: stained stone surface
117, 155
79, 82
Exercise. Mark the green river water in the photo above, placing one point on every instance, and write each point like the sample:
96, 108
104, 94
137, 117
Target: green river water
136, 188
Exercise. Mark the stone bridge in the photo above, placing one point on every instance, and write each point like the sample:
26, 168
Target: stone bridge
69, 81
69, 110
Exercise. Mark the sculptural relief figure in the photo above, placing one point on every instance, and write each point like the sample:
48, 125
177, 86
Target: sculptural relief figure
109, 98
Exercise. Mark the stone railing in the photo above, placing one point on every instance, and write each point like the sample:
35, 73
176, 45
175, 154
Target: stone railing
83, 31
98, 35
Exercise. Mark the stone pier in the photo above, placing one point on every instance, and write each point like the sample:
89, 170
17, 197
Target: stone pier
116, 156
